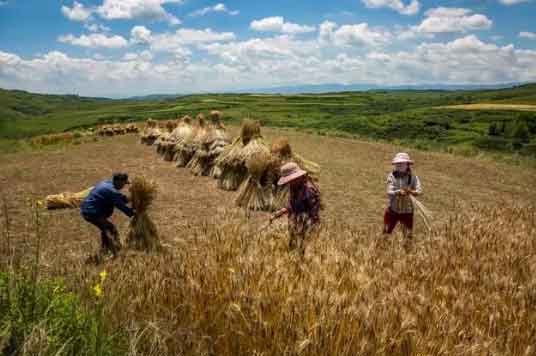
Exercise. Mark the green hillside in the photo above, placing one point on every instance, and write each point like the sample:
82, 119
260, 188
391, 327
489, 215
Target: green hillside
417, 118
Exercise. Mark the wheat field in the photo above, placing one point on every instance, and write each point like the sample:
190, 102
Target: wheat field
221, 288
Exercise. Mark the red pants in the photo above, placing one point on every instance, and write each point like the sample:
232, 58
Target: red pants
390, 219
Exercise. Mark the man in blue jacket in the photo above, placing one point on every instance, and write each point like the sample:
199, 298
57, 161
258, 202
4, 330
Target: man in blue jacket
99, 206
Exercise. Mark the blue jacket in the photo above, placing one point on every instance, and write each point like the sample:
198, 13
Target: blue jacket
102, 199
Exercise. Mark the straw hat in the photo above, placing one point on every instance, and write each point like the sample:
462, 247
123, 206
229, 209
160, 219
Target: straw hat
289, 172
402, 158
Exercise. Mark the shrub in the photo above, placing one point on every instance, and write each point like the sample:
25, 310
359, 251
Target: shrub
492, 129
496, 143
521, 132
43, 318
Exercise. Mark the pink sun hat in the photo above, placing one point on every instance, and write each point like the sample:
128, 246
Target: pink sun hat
289, 172
402, 157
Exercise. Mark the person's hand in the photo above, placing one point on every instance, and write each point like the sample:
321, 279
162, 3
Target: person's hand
403, 192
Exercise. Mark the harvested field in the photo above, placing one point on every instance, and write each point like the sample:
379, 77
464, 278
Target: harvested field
352, 181
220, 289
483, 106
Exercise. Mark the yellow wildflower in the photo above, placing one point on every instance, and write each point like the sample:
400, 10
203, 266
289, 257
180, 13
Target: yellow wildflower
103, 276
98, 290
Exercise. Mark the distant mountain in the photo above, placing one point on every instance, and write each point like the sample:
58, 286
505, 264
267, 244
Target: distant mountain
334, 88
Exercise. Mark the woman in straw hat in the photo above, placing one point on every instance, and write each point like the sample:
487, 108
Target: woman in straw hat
401, 183
303, 205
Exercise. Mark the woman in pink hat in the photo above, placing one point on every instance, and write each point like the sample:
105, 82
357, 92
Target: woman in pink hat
303, 205
401, 183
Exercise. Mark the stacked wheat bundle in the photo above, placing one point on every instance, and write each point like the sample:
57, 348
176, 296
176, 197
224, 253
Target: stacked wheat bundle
150, 133
162, 140
282, 153
105, 130
183, 131
233, 160
186, 149
256, 192
118, 130
212, 145
66, 200
142, 234
132, 128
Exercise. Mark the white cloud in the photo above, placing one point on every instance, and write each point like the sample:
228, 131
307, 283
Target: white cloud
512, 2
146, 56
171, 42
137, 9
77, 13
442, 19
140, 35
529, 35
398, 5
264, 62
352, 35
278, 24
216, 8
256, 50
93, 27
94, 40
464, 60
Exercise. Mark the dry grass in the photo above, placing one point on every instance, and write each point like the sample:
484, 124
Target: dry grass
482, 106
222, 289
52, 139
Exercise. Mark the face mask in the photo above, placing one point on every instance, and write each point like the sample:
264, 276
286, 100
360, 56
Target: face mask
401, 167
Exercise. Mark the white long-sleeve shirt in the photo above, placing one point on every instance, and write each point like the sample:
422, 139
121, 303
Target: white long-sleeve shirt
401, 203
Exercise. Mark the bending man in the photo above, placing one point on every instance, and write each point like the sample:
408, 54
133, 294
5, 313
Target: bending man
99, 205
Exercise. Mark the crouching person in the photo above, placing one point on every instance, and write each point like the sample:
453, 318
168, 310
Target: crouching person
401, 184
98, 207
303, 206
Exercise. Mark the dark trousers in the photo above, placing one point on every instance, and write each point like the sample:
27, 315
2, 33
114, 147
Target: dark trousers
109, 234
391, 219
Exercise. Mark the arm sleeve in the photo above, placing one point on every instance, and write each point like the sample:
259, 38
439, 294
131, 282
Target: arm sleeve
417, 185
391, 186
314, 201
120, 202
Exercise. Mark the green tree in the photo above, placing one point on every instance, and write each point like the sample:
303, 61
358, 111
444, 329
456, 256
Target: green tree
492, 129
521, 132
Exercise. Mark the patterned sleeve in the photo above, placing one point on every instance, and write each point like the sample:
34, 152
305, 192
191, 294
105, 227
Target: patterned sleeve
391, 185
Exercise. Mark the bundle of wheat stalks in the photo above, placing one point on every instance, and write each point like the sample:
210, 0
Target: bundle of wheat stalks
211, 146
425, 214
150, 133
66, 200
162, 142
232, 161
186, 149
282, 153
142, 234
182, 129
256, 192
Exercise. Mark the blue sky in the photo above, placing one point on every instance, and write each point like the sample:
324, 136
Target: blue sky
121, 48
